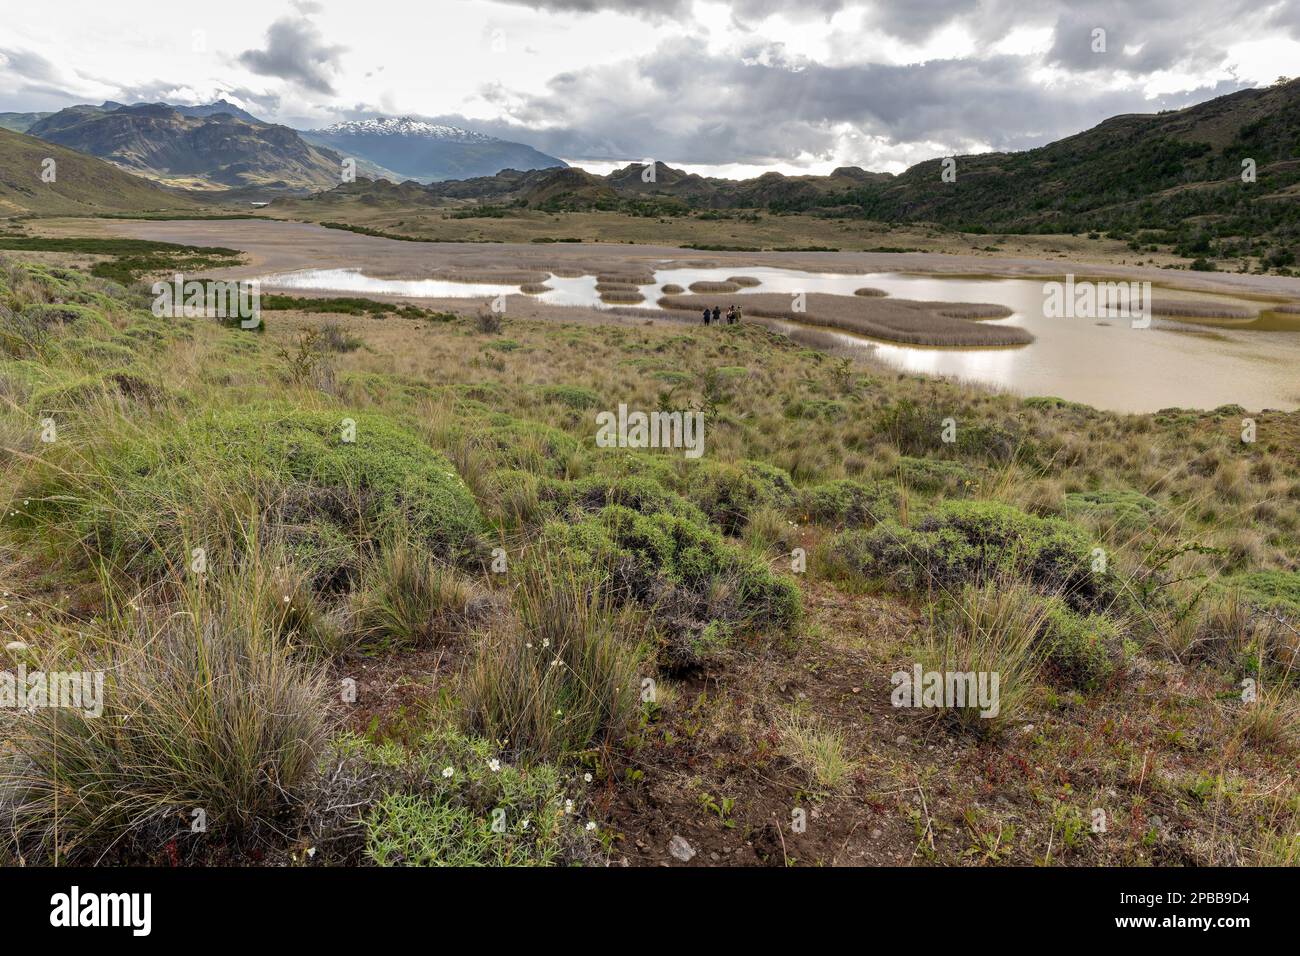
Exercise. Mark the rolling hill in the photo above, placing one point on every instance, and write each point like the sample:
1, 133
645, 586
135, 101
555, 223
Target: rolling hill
83, 185
20, 122
213, 151
1172, 178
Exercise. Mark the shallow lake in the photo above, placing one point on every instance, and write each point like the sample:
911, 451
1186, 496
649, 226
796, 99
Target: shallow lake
1107, 363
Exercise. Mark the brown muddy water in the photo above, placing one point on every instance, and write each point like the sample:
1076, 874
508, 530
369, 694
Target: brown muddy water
1106, 363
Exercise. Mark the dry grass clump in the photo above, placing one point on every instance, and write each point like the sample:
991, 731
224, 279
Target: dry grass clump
1199, 310
673, 288
1290, 308
534, 288
565, 678
410, 599
894, 320
991, 629
868, 292
745, 282
203, 709
714, 287
1272, 720
818, 748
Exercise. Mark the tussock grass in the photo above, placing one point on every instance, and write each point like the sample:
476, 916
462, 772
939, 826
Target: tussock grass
204, 708
990, 629
819, 749
407, 598
565, 679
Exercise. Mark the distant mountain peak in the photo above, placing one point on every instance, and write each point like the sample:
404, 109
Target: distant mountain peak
405, 126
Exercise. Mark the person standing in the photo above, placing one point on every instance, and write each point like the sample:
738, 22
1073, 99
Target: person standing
717, 314
707, 314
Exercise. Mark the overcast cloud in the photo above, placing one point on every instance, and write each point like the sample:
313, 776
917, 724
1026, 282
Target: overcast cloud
725, 87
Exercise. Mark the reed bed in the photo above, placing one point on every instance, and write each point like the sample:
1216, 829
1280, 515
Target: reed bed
626, 278
1200, 310
894, 320
622, 296
714, 287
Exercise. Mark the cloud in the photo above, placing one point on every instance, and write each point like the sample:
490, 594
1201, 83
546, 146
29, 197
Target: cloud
682, 103
296, 51
30, 81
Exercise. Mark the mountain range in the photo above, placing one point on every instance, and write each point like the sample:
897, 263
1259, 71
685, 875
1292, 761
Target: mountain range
1218, 179
192, 147
1175, 177
423, 151
220, 146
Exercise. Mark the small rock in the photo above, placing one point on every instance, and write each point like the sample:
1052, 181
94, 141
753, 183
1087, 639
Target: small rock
877, 834
680, 849
900, 740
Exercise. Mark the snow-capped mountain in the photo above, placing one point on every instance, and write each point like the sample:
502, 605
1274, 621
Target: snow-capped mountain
405, 126
416, 149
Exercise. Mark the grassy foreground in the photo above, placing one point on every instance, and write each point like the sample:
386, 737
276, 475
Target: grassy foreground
364, 589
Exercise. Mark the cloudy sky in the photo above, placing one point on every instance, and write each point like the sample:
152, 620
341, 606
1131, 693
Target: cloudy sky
724, 88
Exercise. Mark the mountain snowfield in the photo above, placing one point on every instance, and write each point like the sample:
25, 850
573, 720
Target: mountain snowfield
405, 147
406, 126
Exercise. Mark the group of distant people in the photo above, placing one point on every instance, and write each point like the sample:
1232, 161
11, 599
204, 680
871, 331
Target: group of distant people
715, 315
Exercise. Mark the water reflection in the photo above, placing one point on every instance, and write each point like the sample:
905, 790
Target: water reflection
1107, 364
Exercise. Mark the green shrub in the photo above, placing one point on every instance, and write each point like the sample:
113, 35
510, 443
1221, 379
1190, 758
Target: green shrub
672, 562
1269, 589
1084, 650
642, 495
728, 493
144, 499
530, 446
936, 474
1117, 510
85, 390
962, 542
574, 396
846, 502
